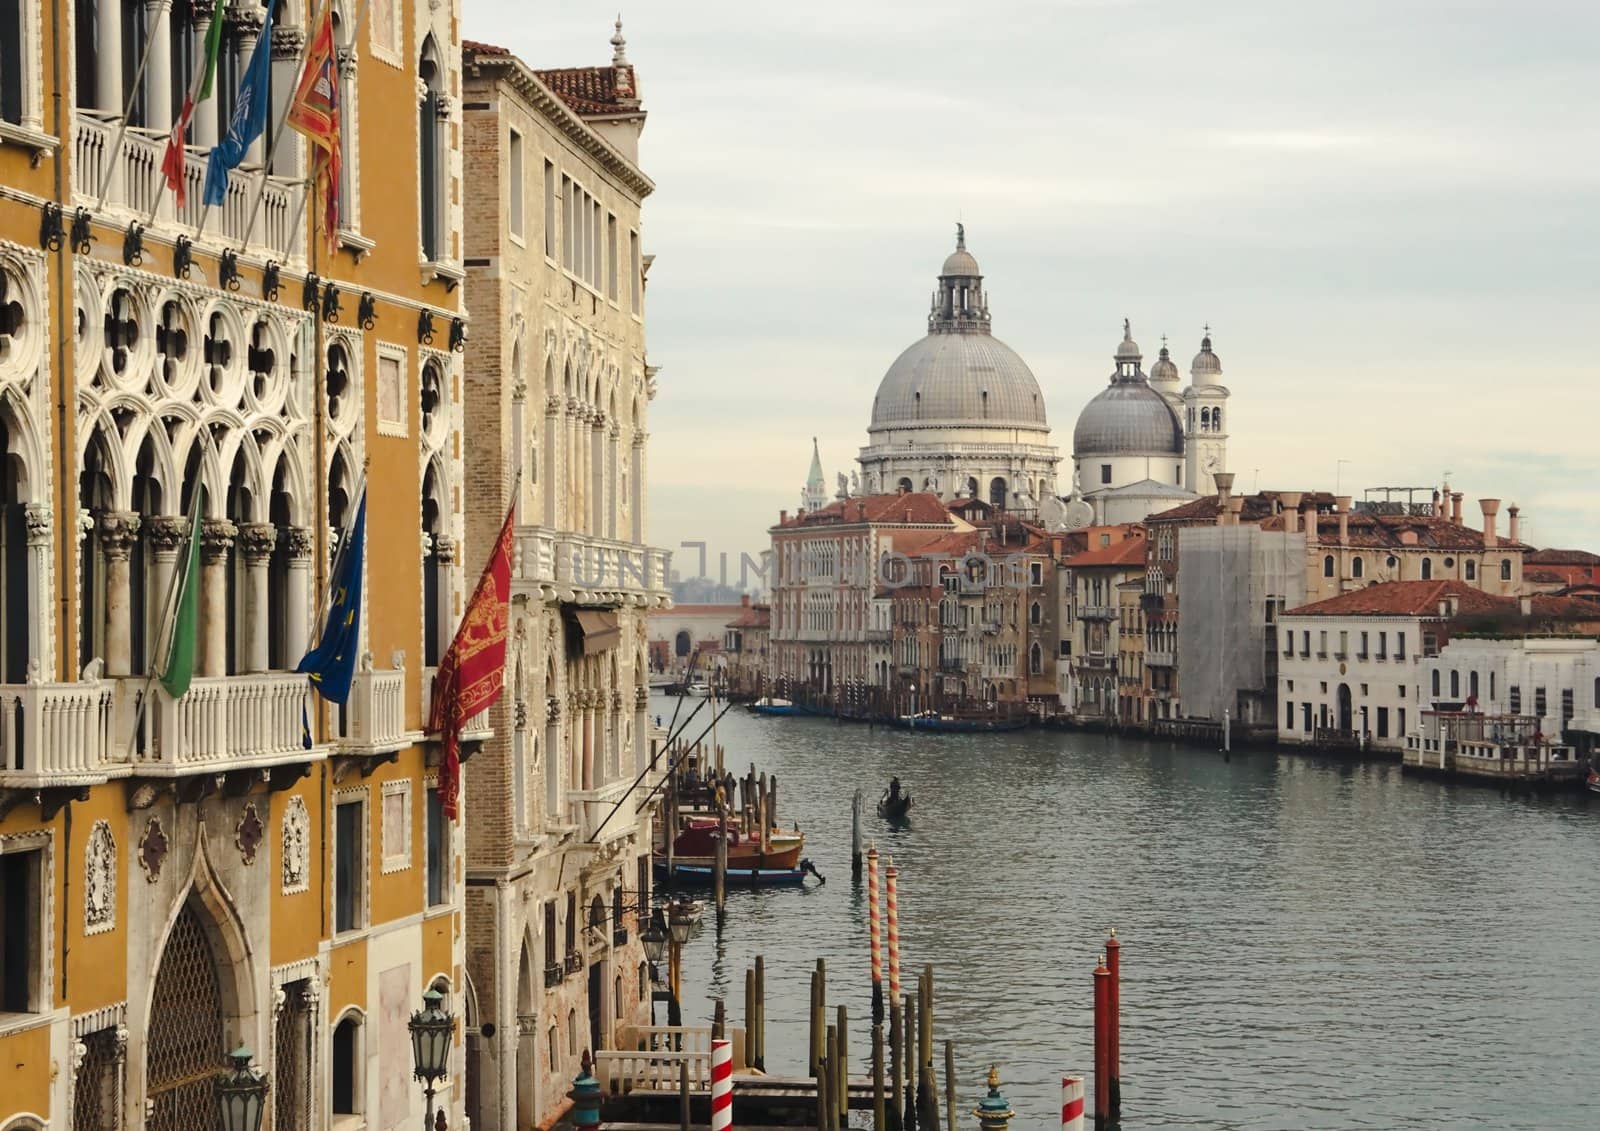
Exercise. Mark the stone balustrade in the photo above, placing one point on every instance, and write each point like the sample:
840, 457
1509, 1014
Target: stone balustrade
589, 809
590, 568
55, 733
136, 180
225, 723
374, 720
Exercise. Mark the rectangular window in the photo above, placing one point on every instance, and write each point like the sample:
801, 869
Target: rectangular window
1402, 720
1362, 655
594, 243
1383, 645
349, 865
21, 924
568, 232
1305, 643
1105, 473
1322, 643
1505, 569
636, 271
1288, 715
549, 210
1383, 722
1539, 702
611, 257
1399, 645
514, 206
1305, 717
437, 832
549, 933
1515, 697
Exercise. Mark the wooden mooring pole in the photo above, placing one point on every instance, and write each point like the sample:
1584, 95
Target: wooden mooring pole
719, 1021
842, 1053
828, 1086
896, 1064
950, 1085
855, 837
760, 1059
908, 1100
683, 1095
878, 1114
720, 878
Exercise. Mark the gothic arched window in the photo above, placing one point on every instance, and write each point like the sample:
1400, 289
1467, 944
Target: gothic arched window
430, 157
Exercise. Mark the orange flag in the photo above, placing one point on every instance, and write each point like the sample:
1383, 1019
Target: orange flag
314, 112
473, 672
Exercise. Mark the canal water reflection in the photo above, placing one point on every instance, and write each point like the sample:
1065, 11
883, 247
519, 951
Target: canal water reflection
1307, 944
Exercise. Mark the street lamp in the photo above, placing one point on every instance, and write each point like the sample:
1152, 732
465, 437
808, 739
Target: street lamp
431, 1032
242, 1093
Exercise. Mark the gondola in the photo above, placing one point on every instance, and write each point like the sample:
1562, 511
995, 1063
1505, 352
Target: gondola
894, 808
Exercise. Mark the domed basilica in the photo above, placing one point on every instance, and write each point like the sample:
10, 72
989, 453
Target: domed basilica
961, 415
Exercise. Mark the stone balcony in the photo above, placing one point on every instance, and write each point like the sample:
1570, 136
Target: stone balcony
475, 729
223, 724
1159, 659
589, 809
374, 720
55, 734
1097, 612
582, 568
134, 183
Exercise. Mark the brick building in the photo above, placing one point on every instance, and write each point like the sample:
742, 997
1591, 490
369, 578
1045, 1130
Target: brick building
558, 389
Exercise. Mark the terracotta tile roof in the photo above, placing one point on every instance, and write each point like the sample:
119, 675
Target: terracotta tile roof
1544, 576
1403, 599
1128, 552
594, 90
752, 616
914, 508
1556, 607
478, 48
1563, 557
1256, 507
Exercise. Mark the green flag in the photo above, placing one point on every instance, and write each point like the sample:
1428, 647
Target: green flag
213, 49
178, 669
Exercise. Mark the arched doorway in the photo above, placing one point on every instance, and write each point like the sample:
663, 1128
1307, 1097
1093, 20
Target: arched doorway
527, 1059
188, 1043
680, 644
997, 492
1344, 707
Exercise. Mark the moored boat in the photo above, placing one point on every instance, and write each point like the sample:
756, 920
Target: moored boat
957, 724
741, 877
1593, 781
696, 846
771, 705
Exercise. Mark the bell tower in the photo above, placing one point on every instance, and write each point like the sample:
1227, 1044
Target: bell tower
1205, 426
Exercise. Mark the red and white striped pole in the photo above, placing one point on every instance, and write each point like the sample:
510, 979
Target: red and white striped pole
873, 931
1072, 1103
721, 1085
891, 875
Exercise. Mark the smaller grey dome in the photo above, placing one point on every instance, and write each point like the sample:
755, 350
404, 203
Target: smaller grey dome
1164, 369
1128, 418
1206, 363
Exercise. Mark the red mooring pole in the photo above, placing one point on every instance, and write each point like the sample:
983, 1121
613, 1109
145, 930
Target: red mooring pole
1114, 1022
1102, 1046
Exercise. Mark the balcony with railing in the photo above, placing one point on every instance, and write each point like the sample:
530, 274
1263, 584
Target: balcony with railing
1160, 660
55, 734
588, 569
1096, 661
223, 723
374, 719
591, 810
1097, 612
133, 183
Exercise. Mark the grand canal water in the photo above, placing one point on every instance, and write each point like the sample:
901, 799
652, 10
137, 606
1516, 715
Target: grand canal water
1307, 944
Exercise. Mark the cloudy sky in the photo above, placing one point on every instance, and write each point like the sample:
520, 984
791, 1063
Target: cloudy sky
1385, 210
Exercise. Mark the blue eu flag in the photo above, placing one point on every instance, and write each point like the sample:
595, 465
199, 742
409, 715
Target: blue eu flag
248, 121
332, 663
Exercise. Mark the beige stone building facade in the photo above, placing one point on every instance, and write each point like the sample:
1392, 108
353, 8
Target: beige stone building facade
556, 394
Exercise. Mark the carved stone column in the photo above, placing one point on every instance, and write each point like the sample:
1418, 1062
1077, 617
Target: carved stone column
36, 517
158, 68
118, 531
216, 539
288, 43
257, 540
108, 63
641, 728
587, 703
445, 552
554, 457
165, 535
297, 606
247, 23
552, 757
204, 122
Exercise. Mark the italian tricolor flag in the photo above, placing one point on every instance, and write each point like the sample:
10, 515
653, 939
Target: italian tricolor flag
199, 91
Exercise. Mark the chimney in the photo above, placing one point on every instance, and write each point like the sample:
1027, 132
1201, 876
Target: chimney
1224, 482
1511, 531
1291, 510
1309, 522
744, 600
1455, 507
1491, 507
1235, 505
1341, 503
783, 517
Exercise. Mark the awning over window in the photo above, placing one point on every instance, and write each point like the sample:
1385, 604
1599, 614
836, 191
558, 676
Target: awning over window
599, 629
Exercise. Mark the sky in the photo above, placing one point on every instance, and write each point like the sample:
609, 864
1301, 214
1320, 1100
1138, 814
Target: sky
1386, 212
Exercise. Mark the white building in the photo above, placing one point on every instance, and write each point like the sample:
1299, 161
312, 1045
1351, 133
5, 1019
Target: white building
1348, 666
1144, 445
959, 413
1553, 679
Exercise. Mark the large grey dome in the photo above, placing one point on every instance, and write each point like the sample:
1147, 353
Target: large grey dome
1128, 418
958, 379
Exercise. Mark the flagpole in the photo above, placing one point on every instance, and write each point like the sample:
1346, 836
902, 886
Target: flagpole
127, 108
191, 97
319, 615
283, 118
168, 616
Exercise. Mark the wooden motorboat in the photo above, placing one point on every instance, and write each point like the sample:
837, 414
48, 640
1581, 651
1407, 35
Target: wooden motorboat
696, 846
1593, 781
741, 877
